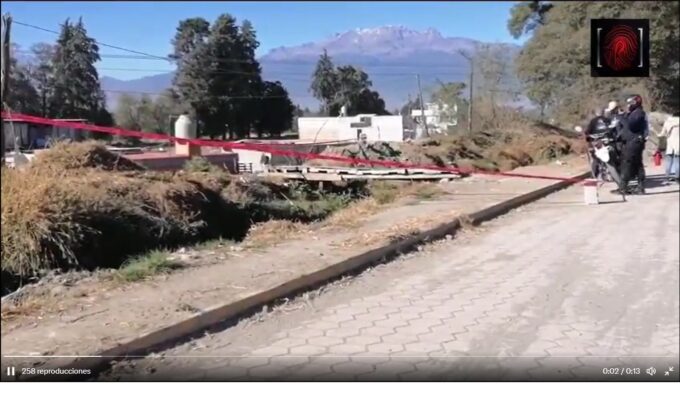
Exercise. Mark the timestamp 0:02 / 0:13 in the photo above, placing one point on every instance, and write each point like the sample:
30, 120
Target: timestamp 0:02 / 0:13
621, 371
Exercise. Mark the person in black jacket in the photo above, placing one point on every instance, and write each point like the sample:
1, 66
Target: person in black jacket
634, 131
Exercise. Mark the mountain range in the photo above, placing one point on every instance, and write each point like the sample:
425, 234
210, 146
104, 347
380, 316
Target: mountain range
392, 56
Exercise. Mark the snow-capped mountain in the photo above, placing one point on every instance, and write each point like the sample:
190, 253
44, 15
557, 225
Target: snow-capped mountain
391, 55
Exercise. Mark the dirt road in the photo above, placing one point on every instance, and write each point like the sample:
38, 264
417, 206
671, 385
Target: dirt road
557, 290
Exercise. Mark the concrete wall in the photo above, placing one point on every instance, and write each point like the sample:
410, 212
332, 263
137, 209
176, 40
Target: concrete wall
174, 162
13, 130
382, 128
260, 160
34, 135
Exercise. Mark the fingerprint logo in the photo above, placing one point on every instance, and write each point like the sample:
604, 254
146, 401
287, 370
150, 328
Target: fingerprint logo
621, 47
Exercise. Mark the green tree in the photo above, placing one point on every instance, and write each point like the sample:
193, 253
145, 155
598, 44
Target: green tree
554, 63
278, 116
324, 85
191, 54
248, 109
495, 85
220, 78
75, 87
449, 96
526, 16
369, 102
350, 83
352, 90
145, 114
226, 78
41, 71
23, 97
127, 112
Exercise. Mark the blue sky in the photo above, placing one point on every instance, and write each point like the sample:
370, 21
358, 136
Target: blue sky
149, 26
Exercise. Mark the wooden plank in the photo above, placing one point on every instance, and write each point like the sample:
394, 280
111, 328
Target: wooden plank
403, 177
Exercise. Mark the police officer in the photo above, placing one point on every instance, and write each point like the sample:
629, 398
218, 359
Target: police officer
634, 134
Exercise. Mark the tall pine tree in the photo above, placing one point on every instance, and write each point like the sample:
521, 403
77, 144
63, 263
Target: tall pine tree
253, 106
76, 91
324, 82
24, 97
191, 83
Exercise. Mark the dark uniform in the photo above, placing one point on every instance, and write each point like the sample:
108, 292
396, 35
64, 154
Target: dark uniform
633, 133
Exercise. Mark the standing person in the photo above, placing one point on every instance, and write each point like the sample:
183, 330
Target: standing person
672, 158
634, 133
612, 111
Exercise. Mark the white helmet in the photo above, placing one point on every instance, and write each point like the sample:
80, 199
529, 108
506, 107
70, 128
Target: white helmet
612, 105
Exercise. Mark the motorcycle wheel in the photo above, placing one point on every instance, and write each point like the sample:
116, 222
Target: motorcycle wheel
614, 174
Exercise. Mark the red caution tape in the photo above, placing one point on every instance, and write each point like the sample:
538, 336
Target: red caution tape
266, 148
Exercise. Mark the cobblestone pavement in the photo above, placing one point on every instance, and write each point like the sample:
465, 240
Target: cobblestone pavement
557, 291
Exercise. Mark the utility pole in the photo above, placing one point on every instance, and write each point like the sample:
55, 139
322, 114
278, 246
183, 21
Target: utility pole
6, 23
472, 71
422, 107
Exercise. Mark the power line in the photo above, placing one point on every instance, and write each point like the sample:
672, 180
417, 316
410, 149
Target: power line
139, 55
298, 64
97, 42
306, 74
163, 94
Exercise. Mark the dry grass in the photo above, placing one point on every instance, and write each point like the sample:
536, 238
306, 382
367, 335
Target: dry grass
272, 232
80, 206
353, 215
423, 191
397, 232
505, 140
56, 214
384, 192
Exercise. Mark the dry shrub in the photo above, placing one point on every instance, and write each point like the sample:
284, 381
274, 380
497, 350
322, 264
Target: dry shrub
202, 165
503, 139
519, 142
89, 217
69, 156
79, 206
371, 151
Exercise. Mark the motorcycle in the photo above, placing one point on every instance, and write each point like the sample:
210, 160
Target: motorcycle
605, 146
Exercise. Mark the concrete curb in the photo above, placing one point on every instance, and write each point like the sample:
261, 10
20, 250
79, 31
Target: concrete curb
231, 312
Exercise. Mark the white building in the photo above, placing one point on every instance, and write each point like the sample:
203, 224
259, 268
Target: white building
371, 127
32, 136
438, 117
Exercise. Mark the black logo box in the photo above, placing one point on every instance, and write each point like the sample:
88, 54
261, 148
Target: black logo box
598, 31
